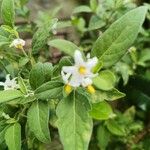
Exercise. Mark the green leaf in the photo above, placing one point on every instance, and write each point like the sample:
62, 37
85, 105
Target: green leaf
82, 8
124, 70
101, 111
114, 43
13, 137
73, 116
41, 36
23, 61
64, 46
3, 40
22, 85
95, 23
115, 128
110, 95
9, 95
38, 117
3, 129
105, 80
103, 137
8, 12
65, 61
24, 100
40, 74
50, 90
93, 4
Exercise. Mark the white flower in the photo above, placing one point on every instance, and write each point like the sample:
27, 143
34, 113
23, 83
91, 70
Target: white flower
81, 72
9, 84
18, 43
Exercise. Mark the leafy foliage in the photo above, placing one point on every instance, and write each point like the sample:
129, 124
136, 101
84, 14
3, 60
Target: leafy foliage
45, 106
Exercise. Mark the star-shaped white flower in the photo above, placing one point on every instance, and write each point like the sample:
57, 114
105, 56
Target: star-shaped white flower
18, 43
9, 84
81, 73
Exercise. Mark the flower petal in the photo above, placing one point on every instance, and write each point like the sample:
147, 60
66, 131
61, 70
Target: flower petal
2, 83
91, 62
78, 58
68, 69
65, 77
75, 80
86, 82
8, 77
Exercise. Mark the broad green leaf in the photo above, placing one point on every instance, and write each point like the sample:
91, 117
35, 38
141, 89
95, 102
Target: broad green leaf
73, 116
114, 42
41, 35
9, 95
103, 137
101, 111
115, 128
82, 8
105, 81
64, 46
50, 90
8, 12
40, 74
110, 95
13, 137
38, 117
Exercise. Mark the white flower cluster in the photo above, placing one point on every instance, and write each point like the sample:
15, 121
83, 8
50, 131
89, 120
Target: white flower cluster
81, 73
18, 43
9, 84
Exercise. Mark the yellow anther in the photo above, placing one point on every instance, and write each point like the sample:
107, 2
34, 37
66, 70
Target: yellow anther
68, 88
19, 46
82, 70
91, 89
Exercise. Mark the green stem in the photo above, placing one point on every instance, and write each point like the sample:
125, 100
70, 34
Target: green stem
23, 51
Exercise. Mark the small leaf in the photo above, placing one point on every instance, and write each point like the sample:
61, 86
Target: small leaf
65, 61
9, 95
73, 116
115, 128
101, 111
50, 90
41, 35
38, 117
8, 12
105, 80
3, 129
93, 4
40, 74
22, 85
113, 44
13, 137
64, 46
103, 137
82, 8
110, 95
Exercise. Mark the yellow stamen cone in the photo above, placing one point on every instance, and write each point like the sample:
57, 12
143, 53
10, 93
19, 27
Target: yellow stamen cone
82, 70
91, 89
68, 89
19, 46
